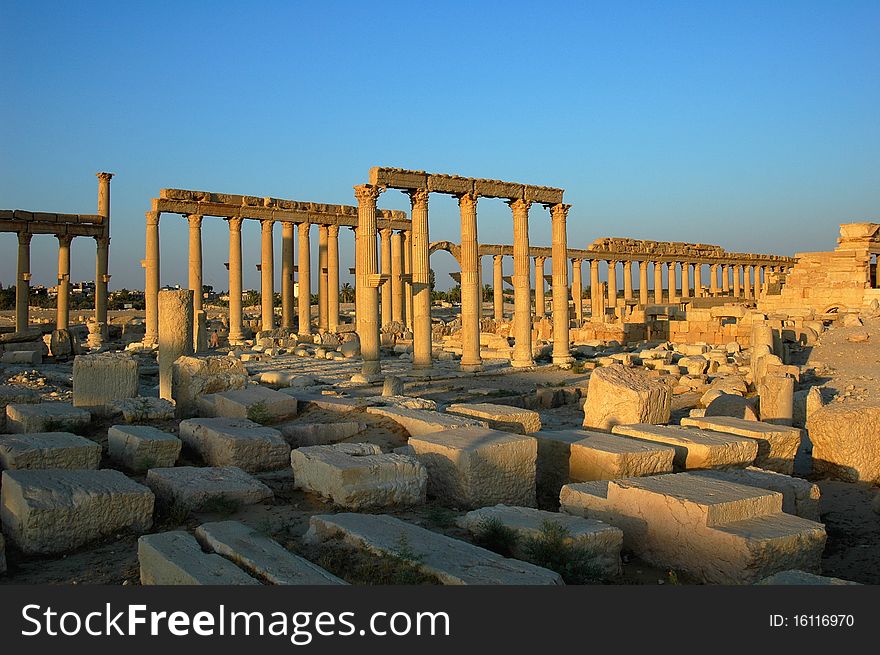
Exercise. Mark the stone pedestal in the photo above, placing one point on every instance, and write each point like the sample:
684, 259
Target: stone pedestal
175, 333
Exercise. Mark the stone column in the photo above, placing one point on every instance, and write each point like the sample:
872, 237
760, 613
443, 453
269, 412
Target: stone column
737, 287
397, 304
698, 280
236, 334
522, 301
367, 278
595, 291
612, 284
151, 285
407, 284
713, 279
23, 282
385, 263
600, 307
498, 288
561, 321
62, 300
421, 314
102, 255
195, 260
175, 333
627, 280
670, 282
470, 284
577, 291
658, 283
747, 281
287, 229
322, 278
725, 279
540, 301
643, 283
686, 280
333, 278
776, 393
267, 270
305, 280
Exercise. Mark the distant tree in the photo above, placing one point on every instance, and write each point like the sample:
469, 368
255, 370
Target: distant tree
252, 298
431, 279
346, 293
488, 292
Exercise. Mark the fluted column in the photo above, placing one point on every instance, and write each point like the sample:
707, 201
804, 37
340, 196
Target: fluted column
287, 229
102, 256
737, 286
698, 280
23, 282
612, 283
470, 284
747, 281
195, 260
686, 280
658, 283
577, 290
407, 283
304, 269
627, 280
267, 273
725, 279
713, 279
561, 321
595, 291
540, 301
385, 268
498, 287
643, 283
322, 278
62, 300
235, 328
151, 285
367, 278
522, 300
397, 307
333, 278
670, 282
421, 320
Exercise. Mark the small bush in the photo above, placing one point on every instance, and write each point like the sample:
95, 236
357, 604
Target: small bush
553, 549
258, 413
495, 536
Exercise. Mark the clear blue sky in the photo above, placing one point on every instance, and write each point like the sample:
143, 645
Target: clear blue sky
752, 125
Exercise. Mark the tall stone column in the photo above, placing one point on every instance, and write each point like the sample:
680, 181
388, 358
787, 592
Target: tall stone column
561, 321
747, 281
397, 304
407, 283
522, 300
498, 287
670, 282
333, 278
540, 301
385, 264
421, 289
737, 287
322, 278
470, 284
367, 278
195, 260
267, 271
175, 334
725, 279
612, 283
305, 280
102, 255
23, 282
658, 283
287, 229
627, 280
686, 280
643, 283
151, 285
713, 279
577, 291
698, 280
236, 334
595, 291
62, 300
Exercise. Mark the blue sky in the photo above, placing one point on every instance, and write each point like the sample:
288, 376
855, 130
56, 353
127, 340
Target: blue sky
752, 125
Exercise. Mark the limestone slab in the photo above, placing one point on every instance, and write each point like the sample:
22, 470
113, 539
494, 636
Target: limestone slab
255, 402
845, 441
55, 510
602, 456
236, 442
795, 577
192, 377
419, 422
453, 561
48, 450
193, 487
617, 394
142, 408
142, 447
552, 470
175, 558
799, 497
695, 448
319, 434
101, 378
45, 417
777, 444
500, 417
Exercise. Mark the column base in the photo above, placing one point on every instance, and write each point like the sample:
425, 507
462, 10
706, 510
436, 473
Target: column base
371, 368
471, 368
563, 361
522, 363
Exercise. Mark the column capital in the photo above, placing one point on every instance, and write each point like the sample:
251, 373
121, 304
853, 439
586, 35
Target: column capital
519, 205
611, 262
467, 201
367, 192
497, 258
235, 223
333, 230
418, 196
103, 242
266, 224
539, 260
152, 218
24, 238
287, 227
195, 221
104, 177
559, 211
386, 233
65, 239
576, 261
303, 227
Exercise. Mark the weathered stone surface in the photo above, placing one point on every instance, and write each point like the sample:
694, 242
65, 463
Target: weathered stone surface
260, 556
777, 399
777, 444
500, 417
142, 447
694, 448
175, 334
359, 475
55, 510
25, 357
846, 441
101, 378
795, 577
718, 531
451, 560
319, 434
475, 467
175, 558
617, 394
601, 543
602, 456
193, 487
419, 422
45, 417
48, 450
393, 386
799, 497
256, 403
235, 442
193, 377
142, 408
554, 453
729, 404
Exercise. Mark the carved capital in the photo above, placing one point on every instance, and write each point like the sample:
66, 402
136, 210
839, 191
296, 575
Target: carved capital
104, 177
333, 231
152, 219
539, 260
24, 238
303, 228
418, 196
519, 205
195, 221
467, 202
64, 239
266, 225
386, 233
576, 262
367, 193
235, 223
559, 211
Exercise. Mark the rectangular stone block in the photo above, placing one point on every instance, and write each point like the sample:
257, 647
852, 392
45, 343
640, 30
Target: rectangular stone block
359, 475
799, 497
55, 510
101, 378
475, 467
554, 454
777, 444
256, 403
194, 488
694, 448
419, 422
193, 377
452, 184
45, 417
498, 189
142, 447
48, 450
500, 417
453, 561
544, 195
602, 456
319, 434
396, 178
175, 558
235, 442
23, 357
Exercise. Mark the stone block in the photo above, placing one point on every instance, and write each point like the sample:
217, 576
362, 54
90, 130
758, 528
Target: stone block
777, 444
694, 448
475, 467
729, 404
453, 561
235, 442
601, 456
45, 417
419, 422
56, 510
195, 488
500, 417
255, 402
552, 471
175, 334
193, 377
140, 409
176, 558
845, 440
48, 450
22, 357
799, 497
617, 394
142, 447
319, 434
359, 476
795, 577
101, 378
